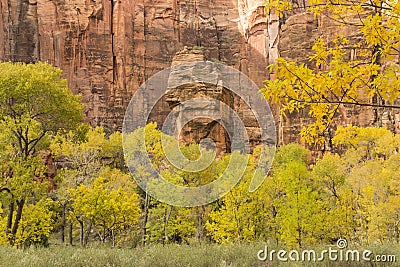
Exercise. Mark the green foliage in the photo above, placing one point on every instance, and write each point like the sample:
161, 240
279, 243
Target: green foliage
289, 153
241, 213
35, 103
169, 224
354, 195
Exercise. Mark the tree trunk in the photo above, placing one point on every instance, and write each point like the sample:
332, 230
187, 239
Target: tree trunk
82, 230
167, 214
113, 238
10, 217
88, 230
70, 233
200, 223
18, 216
377, 59
63, 222
146, 214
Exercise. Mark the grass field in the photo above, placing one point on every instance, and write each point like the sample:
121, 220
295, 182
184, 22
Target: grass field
158, 255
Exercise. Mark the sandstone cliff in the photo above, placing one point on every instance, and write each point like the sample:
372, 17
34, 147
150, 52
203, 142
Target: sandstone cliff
108, 48
204, 110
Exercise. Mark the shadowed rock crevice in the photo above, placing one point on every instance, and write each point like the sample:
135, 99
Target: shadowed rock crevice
207, 115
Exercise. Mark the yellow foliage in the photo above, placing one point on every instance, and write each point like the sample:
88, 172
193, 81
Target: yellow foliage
336, 80
110, 204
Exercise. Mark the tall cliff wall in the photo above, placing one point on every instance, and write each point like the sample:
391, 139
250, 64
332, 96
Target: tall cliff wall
108, 48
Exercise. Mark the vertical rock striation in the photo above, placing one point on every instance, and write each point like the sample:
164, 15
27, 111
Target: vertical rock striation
108, 48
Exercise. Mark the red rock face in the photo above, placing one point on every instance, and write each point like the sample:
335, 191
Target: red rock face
107, 49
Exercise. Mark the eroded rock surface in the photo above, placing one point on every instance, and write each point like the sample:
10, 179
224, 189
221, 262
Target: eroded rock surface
107, 49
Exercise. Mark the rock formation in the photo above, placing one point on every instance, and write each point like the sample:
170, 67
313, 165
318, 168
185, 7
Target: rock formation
202, 126
210, 104
108, 48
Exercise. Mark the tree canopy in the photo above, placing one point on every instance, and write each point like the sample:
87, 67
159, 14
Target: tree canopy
369, 80
35, 103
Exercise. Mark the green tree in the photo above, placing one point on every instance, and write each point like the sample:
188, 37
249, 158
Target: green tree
83, 153
159, 220
35, 103
331, 175
110, 204
300, 208
305, 204
236, 216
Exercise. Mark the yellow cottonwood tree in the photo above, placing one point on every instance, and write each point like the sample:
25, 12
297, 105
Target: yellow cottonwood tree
371, 160
241, 215
110, 205
372, 80
37, 222
82, 152
301, 211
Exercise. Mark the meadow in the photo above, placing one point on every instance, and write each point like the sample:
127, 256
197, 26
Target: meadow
173, 255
